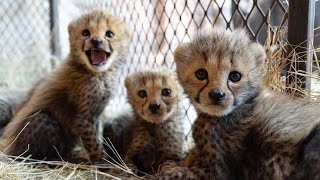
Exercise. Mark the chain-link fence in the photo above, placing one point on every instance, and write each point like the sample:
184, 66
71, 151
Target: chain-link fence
25, 40
158, 27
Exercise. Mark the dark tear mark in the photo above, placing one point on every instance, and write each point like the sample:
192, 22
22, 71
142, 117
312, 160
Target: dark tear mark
197, 99
144, 104
83, 45
111, 49
233, 94
144, 82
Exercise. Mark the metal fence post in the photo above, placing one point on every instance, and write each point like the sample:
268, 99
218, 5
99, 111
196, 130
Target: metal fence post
300, 37
54, 19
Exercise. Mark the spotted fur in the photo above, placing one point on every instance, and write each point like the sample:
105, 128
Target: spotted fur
157, 135
62, 109
243, 130
308, 163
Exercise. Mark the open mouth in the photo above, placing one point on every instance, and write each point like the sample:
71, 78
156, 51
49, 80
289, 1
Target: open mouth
97, 57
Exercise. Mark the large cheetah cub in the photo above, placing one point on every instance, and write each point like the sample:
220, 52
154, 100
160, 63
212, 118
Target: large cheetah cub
63, 107
243, 130
157, 135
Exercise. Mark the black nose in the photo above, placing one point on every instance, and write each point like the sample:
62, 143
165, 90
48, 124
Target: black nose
96, 41
154, 107
216, 95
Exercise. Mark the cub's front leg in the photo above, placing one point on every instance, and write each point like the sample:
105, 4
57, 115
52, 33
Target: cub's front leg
85, 129
170, 140
140, 153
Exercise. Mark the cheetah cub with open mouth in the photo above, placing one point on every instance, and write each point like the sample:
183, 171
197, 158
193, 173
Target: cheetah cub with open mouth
243, 130
157, 130
62, 109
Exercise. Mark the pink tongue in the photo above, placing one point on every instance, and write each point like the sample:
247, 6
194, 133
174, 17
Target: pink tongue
97, 57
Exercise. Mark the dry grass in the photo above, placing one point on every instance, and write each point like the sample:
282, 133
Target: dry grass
27, 168
18, 167
281, 65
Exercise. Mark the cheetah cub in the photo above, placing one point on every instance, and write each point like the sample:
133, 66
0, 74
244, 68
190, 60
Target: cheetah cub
62, 109
243, 130
157, 130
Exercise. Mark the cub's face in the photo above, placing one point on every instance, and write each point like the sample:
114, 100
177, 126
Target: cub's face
220, 70
153, 94
98, 40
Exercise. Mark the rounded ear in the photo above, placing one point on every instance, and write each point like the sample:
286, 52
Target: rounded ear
181, 53
129, 81
258, 53
127, 33
71, 27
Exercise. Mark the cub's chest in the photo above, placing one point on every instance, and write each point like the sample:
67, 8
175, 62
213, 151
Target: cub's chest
154, 133
90, 93
223, 138
97, 88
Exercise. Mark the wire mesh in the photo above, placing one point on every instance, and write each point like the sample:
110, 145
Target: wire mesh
25, 33
158, 27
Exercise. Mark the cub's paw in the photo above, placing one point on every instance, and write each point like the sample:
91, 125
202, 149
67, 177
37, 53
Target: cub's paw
168, 165
80, 157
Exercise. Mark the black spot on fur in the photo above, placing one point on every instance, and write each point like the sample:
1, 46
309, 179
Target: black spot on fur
47, 142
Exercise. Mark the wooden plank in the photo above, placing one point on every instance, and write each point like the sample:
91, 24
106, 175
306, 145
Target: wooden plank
299, 38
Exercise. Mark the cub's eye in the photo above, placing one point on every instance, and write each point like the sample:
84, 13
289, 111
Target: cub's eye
235, 76
142, 93
201, 74
166, 92
109, 34
86, 33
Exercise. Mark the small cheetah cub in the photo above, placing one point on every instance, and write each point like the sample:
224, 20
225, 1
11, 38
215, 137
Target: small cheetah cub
243, 130
62, 108
157, 135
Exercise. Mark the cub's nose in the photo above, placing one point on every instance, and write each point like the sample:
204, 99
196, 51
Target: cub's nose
96, 41
154, 107
216, 95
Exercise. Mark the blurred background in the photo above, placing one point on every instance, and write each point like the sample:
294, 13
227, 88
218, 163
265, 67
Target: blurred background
34, 37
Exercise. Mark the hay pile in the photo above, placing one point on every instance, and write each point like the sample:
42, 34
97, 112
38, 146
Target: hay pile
11, 169
280, 66
17, 167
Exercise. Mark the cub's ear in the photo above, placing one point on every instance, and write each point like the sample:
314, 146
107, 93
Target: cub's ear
182, 53
72, 27
127, 33
258, 52
183, 58
127, 81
